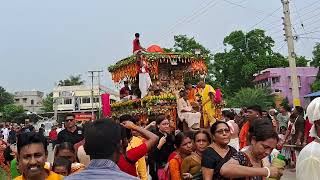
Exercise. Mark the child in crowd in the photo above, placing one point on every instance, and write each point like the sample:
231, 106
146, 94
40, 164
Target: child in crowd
282, 135
61, 166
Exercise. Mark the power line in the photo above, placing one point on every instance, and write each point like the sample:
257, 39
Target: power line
202, 8
311, 17
309, 12
301, 22
265, 17
311, 32
303, 15
244, 7
316, 38
203, 12
309, 4
200, 12
181, 20
269, 15
283, 44
266, 28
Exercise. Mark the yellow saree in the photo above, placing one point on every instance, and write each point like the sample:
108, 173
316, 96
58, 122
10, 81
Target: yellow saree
208, 108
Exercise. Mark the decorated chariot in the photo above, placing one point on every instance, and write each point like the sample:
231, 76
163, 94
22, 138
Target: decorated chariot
168, 72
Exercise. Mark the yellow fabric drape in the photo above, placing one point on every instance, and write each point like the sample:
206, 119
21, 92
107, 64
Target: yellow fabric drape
141, 164
208, 108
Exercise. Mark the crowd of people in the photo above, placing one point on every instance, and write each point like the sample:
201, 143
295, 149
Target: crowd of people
238, 146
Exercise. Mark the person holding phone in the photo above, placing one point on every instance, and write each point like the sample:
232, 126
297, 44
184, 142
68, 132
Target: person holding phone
158, 157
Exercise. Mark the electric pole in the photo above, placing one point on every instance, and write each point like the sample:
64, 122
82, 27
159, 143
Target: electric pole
291, 53
99, 115
92, 96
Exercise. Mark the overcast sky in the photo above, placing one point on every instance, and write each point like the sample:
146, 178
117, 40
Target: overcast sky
42, 42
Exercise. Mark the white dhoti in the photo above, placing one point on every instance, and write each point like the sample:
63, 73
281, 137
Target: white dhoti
144, 83
190, 118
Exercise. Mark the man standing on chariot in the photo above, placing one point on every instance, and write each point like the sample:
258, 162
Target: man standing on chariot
144, 77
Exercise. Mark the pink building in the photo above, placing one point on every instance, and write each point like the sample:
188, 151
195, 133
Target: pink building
278, 79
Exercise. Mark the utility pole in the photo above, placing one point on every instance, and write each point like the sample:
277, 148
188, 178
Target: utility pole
99, 115
55, 104
92, 96
291, 53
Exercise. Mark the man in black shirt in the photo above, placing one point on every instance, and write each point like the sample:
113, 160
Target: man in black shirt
71, 133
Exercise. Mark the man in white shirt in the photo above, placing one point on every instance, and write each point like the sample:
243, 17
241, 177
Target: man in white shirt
186, 112
308, 163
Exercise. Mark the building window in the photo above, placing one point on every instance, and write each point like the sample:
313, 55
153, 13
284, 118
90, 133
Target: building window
96, 99
67, 101
17, 100
32, 102
275, 80
24, 100
277, 91
299, 81
85, 100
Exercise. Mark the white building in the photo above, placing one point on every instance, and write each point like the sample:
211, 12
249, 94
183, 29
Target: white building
30, 100
77, 99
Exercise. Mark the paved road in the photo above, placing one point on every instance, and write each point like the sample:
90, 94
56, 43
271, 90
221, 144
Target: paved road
288, 175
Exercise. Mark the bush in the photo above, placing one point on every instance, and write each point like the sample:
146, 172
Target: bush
252, 96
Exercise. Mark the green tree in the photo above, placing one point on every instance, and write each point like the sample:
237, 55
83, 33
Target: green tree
48, 103
315, 86
246, 54
71, 81
316, 56
14, 113
285, 103
5, 98
301, 61
251, 96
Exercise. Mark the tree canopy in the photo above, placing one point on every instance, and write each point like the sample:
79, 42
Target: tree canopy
246, 54
316, 56
48, 103
301, 61
5, 98
14, 113
315, 86
71, 81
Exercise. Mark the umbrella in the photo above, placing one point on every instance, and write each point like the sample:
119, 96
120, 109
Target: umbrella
155, 48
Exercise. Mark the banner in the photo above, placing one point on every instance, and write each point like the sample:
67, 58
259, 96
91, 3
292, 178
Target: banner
84, 117
106, 108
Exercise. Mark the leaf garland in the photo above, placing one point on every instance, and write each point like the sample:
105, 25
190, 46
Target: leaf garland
145, 105
155, 57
